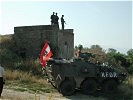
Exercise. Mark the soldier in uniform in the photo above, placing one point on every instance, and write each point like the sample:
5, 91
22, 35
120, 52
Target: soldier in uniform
62, 22
56, 20
52, 19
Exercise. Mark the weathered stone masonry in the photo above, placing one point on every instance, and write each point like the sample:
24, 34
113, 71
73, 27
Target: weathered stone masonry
29, 40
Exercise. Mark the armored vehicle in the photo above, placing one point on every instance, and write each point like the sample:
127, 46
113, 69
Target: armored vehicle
68, 75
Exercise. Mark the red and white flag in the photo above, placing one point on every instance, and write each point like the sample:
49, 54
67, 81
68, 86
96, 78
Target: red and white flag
46, 53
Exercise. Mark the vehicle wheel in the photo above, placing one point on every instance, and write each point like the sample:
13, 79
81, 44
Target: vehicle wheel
67, 87
110, 86
89, 86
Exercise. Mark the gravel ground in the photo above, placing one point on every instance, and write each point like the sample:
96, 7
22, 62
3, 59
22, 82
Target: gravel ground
9, 94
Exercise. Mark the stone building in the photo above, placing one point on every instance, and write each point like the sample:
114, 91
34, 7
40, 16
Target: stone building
29, 40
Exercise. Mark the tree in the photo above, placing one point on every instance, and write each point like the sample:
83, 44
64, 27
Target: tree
130, 53
111, 50
110, 57
130, 56
100, 55
95, 47
122, 58
117, 58
130, 60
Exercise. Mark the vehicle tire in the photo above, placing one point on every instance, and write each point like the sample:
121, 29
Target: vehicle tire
67, 88
89, 86
110, 86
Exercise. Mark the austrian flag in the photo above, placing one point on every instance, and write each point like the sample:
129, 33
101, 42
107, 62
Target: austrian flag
46, 53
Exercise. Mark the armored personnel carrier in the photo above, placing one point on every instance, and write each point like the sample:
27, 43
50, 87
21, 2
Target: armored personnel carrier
68, 75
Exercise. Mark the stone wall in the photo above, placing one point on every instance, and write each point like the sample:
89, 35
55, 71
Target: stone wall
29, 40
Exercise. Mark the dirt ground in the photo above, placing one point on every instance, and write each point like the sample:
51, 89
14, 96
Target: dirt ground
9, 94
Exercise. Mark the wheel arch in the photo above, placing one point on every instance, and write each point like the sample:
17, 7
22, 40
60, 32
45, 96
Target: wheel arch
91, 78
64, 84
68, 78
110, 85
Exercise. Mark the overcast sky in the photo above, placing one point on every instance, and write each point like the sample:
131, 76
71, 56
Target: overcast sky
106, 23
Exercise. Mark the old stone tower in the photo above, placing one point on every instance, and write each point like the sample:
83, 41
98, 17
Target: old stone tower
29, 40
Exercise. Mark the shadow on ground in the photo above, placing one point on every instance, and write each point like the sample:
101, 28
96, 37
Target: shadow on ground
124, 92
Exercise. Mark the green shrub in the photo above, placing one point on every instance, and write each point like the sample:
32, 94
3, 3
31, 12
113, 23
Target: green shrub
30, 65
11, 61
6, 41
130, 69
7, 57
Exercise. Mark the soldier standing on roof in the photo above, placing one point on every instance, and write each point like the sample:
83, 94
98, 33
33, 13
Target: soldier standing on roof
56, 20
52, 19
62, 22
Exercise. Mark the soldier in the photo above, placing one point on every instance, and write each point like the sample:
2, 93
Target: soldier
62, 22
56, 20
1, 79
52, 19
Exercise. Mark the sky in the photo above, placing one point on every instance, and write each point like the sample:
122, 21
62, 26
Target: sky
105, 23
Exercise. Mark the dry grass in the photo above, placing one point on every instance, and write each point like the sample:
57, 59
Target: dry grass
23, 77
23, 81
